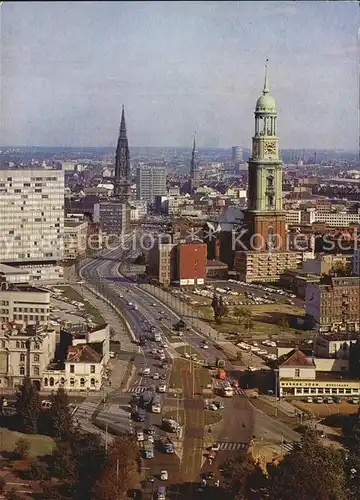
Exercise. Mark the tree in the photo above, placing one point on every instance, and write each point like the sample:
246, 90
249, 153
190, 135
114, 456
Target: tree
38, 470
121, 468
243, 478
220, 308
283, 323
28, 406
310, 471
60, 416
13, 495
248, 324
22, 448
238, 313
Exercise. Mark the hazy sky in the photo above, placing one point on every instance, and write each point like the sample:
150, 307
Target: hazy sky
67, 67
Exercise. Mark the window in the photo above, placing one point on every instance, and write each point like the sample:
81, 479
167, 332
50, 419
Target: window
92, 368
22, 358
72, 368
46, 382
62, 381
72, 382
17, 344
82, 382
22, 370
297, 372
92, 382
23, 345
36, 346
36, 358
3, 344
52, 382
36, 371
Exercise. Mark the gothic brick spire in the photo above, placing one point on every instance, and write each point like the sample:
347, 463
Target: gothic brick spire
122, 162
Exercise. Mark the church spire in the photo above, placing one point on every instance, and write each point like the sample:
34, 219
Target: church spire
122, 161
266, 81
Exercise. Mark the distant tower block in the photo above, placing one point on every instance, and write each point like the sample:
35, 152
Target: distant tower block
237, 155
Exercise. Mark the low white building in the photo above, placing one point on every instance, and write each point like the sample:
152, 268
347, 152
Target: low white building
85, 366
24, 304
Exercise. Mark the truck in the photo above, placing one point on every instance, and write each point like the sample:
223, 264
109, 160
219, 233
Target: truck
156, 404
170, 425
148, 449
157, 337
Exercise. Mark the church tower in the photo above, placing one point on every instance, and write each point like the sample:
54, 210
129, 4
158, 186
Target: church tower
194, 180
122, 181
265, 215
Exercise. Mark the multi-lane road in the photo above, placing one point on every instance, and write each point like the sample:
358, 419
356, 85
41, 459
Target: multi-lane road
143, 312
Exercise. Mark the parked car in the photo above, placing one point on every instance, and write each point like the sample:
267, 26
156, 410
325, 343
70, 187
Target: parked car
215, 447
319, 400
164, 476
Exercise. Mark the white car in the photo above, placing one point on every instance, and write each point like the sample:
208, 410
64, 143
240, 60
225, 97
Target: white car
162, 388
205, 346
215, 447
140, 436
150, 438
213, 407
156, 376
186, 355
164, 476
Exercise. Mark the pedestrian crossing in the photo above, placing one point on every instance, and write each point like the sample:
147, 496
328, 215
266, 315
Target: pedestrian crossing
287, 446
231, 446
137, 390
239, 391
85, 411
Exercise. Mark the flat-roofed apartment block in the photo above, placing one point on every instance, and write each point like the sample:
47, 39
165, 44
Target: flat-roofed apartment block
32, 221
75, 239
162, 263
24, 305
334, 304
254, 266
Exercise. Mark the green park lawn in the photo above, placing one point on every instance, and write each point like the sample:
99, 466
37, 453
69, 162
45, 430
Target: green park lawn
39, 445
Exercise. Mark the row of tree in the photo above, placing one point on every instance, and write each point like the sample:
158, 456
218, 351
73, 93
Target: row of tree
311, 471
80, 463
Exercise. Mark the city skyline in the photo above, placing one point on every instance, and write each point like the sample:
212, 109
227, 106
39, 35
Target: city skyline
198, 66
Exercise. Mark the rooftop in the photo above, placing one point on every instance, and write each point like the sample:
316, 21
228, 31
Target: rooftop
296, 358
83, 354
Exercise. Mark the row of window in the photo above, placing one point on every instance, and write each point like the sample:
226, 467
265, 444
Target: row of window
21, 345
72, 368
36, 371
51, 382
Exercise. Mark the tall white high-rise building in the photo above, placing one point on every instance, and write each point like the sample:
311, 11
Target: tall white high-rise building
150, 182
32, 221
237, 155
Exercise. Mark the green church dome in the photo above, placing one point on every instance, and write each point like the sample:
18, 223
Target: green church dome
266, 103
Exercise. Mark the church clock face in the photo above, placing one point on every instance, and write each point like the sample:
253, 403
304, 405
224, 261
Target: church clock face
270, 147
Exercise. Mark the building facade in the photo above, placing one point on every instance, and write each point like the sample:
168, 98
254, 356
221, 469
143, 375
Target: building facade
25, 351
32, 221
75, 239
191, 264
24, 305
162, 263
265, 266
334, 304
150, 182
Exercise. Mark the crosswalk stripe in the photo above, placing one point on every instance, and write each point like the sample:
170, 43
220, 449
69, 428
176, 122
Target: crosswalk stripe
137, 390
231, 446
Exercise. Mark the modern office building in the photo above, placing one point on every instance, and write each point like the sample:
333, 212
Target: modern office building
113, 217
237, 155
150, 182
75, 238
32, 221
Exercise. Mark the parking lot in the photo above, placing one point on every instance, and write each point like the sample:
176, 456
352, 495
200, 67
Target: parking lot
323, 410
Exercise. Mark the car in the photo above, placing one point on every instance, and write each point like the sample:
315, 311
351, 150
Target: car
154, 352
319, 400
309, 400
150, 438
354, 401
213, 407
186, 355
153, 304
150, 431
162, 357
205, 346
140, 436
208, 476
156, 376
161, 493
329, 401
165, 365
164, 476
235, 383
164, 346
163, 376
215, 447
112, 354
219, 404
162, 388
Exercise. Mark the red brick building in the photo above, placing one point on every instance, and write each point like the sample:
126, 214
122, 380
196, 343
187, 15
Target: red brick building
191, 263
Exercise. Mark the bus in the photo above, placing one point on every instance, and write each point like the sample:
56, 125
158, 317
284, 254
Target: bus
226, 389
156, 404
